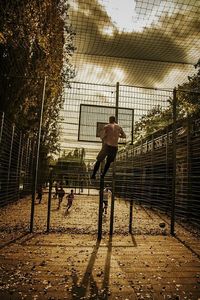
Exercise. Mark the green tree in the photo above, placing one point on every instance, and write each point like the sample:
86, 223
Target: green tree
188, 95
188, 103
36, 40
155, 119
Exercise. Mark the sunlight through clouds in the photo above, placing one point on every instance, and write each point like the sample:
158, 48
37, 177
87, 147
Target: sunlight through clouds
94, 72
125, 17
122, 13
119, 73
135, 42
108, 30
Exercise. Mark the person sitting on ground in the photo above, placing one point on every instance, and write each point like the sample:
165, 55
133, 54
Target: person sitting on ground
70, 198
110, 136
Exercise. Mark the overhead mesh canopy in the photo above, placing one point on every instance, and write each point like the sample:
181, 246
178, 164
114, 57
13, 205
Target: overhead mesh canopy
150, 43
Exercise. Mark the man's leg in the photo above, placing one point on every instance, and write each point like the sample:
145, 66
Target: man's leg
107, 166
69, 205
100, 157
96, 168
110, 158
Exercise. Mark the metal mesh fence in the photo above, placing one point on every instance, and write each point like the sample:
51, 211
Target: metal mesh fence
16, 162
148, 173
158, 173
140, 100
155, 178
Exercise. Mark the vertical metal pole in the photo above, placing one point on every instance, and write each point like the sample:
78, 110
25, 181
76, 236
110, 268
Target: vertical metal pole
174, 163
79, 122
117, 102
49, 201
153, 194
26, 151
188, 165
18, 171
114, 169
22, 160
167, 194
11, 147
10, 159
37, 157
131, 201
132, 127
1, 134
100, 206
2, 123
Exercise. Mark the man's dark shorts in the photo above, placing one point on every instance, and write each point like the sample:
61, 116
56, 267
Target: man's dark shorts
107, 151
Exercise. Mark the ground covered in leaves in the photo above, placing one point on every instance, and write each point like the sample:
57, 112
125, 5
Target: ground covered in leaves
70, 263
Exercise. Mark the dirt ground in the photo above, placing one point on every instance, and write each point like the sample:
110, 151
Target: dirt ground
70, 263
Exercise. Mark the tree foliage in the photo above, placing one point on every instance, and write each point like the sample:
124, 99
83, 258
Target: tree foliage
188, 95
36, 40
188, 103
155, 119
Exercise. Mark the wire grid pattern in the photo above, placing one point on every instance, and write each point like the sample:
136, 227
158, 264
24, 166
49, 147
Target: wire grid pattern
147, 43
141, 100
81, 93
16, 162
144, 173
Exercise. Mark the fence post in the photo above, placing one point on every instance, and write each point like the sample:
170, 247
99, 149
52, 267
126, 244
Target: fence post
173, 202
2, 123
10, 158
132, 127
131, 201
49, 199
18, 171
189, 163
35, 172
100, 208
114, 167
167, 174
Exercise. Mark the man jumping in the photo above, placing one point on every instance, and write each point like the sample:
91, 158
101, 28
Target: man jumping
110, 136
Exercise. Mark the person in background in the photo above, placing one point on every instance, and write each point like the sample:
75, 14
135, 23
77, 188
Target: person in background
106, 193
39, 193
56, 190
70, 198
61, 194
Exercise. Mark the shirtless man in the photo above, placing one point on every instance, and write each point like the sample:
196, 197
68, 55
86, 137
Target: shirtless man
110, 136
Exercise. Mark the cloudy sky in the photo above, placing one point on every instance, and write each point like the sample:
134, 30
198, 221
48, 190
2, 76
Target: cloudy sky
151, 43
148, 43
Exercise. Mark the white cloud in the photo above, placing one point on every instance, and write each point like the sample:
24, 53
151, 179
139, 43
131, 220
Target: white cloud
125, 18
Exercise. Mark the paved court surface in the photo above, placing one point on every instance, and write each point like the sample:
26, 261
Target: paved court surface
69, 262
